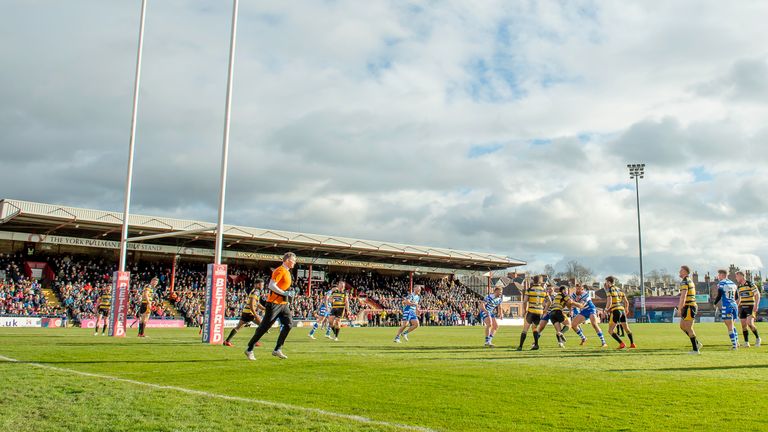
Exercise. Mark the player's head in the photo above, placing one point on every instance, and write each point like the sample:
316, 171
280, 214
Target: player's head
537, 280
579, 288
154, 282
610, 281
417, 289
740, 278
289, 259
497, 292
563, 290
684, 271
722, 274
257, 286
341, 285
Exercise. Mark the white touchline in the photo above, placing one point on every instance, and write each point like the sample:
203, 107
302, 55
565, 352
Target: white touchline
359, 419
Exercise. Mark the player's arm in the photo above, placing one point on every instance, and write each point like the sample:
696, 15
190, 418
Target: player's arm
273, 285
681, 302
608, 302
346, 307
626, 305
719, 297
757, 302
525, 302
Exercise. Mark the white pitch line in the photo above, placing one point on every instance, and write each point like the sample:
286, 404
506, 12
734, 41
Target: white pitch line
318, 411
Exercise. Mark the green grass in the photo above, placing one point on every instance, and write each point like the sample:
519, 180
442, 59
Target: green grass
442, 379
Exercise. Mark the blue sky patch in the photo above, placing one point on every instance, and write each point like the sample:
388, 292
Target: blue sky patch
483, 149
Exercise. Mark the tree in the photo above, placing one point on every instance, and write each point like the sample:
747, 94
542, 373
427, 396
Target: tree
578, 272
549, 271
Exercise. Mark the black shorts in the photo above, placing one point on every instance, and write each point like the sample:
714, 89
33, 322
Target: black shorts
618, 316
247, 317
746, 311
143, 309
337, 312
533, 318
103, 312
557, 317
688, 313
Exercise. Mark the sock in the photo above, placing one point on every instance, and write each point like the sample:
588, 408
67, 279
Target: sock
487, 340
314, 328
757, 336
746, 336
734, 340
535, 338
523, 335
580, 333
141, 328
336, 331
104, 329
631, 339
490, 338
405, 333
694, 343
617, 338
565, 329
559, 336
328, 331
602, 338
231, 334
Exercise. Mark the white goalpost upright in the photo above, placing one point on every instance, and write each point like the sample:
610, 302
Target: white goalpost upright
216, 282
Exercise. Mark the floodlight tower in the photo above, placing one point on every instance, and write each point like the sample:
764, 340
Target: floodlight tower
636, 172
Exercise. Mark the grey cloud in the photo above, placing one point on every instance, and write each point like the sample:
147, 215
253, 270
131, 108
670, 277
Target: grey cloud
747, 80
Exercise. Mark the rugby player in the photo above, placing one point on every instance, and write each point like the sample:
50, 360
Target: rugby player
321, 316
557, 313
617, 312
586, 311
749, 300
488, 313
688, 308
249, 313
339, 308
533, 303
726, 295
146, 305
410, 314
105, 301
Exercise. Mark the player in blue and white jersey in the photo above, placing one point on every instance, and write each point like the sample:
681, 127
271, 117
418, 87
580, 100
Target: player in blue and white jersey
586, 311
490, 310
410, 314
321, 316
726, 293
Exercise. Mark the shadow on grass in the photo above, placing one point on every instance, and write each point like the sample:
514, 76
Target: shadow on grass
691, 369
63, 362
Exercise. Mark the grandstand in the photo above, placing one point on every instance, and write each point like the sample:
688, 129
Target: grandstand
72, 252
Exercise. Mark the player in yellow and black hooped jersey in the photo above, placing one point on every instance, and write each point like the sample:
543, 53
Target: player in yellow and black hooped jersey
559, 301
249, 313
617, 312
339, 306
749, 300
687, 307
146, 305
105, 302
534, 299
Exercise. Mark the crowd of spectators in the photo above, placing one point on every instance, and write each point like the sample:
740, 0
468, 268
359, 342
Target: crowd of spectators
80, 281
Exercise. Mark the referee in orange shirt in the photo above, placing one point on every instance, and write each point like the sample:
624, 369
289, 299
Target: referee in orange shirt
277, 307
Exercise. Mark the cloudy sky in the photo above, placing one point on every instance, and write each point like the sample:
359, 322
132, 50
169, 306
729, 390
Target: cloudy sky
496, 126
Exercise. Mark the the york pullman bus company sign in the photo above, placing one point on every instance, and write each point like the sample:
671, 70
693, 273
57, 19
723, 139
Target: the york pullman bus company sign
252, 256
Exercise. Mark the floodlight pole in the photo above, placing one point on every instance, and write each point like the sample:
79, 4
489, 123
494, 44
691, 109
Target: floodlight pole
132, 142
640, 245
636, 172
225, 146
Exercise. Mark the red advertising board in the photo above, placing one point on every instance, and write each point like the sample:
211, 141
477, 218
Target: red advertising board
119, 307
215, 304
